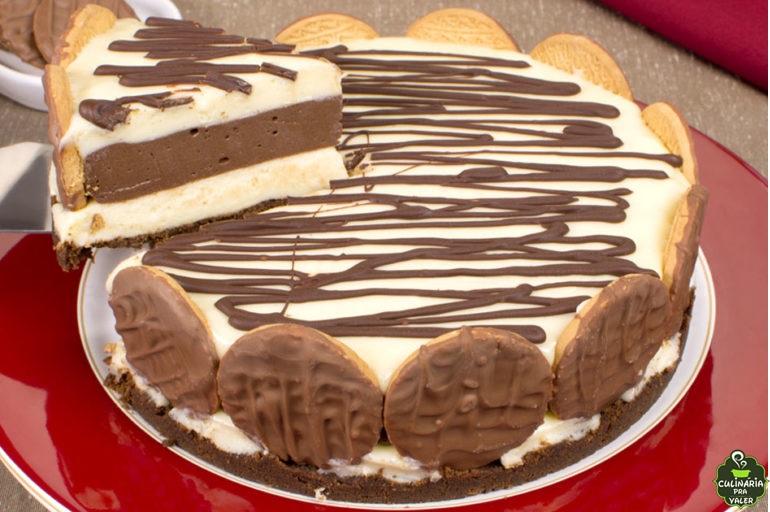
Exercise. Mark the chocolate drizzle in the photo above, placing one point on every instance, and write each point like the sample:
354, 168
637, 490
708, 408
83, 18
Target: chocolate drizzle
184, 50
109, 113
461, 223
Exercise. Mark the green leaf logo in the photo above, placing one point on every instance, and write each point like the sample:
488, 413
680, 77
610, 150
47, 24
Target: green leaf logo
741, 481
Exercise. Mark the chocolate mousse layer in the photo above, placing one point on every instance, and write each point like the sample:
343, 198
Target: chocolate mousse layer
128, 170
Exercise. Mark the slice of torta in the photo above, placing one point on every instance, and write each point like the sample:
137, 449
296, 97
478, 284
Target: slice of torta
164, 124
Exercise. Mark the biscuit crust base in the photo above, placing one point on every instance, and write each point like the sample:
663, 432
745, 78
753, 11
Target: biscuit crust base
70, 256
306, 480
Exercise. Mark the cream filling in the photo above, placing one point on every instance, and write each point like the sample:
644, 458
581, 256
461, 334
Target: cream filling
664, 358
219, 429
551, 432
384, 460
316, 79
215, 196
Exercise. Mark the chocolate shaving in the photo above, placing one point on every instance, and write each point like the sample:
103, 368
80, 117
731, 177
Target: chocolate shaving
108, 114
268, 46
183, 49
280, 71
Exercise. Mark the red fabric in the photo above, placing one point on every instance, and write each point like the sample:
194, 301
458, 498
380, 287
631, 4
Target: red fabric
730, 33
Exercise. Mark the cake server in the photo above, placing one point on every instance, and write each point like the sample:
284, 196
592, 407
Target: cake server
25, 204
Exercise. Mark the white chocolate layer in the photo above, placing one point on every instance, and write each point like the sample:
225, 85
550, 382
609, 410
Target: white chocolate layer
217, 196
316, 79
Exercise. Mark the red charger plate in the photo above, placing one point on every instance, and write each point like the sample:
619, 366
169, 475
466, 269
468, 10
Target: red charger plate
74, 449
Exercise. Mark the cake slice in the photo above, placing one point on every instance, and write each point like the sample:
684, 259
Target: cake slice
162, 125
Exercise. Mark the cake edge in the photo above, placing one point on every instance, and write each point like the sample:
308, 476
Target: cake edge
308, 481
70, 255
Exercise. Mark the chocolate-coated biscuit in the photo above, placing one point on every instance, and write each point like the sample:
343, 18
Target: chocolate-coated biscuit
465, 398
16, 34
52, 17
305, 396
682, 251
166, 337
606, 347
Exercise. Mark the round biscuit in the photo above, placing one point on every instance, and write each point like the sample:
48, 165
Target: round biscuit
467, 397
681, 252
462, 26
304, 395
606, 347
579, 54
51, 18
16, 34
84, 24
325, 29
669, 126
166, 337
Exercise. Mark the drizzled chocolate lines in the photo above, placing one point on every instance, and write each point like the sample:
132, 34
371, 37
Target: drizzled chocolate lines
369, 266
183, 49
463, 221
109, 113
423, 89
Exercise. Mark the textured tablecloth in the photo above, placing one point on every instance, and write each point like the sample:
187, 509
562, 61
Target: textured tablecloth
723, 105
729, 33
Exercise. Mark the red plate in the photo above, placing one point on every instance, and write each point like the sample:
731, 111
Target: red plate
74, 449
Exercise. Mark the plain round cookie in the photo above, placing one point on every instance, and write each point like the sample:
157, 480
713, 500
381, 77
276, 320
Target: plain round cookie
462, 26
578, 54
325, 29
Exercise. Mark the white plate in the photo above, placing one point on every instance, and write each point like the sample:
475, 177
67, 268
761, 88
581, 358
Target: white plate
22, 82
95, 321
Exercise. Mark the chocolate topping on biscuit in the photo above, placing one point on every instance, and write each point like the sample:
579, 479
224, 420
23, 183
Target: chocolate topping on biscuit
16, 30
52, 18
166, 338
607, 346
306, 397
468, 397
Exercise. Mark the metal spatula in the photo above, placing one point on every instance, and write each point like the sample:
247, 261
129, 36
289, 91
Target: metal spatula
25, 203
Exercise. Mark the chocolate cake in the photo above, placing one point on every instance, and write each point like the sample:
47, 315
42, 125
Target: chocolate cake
498, 288
161, 125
